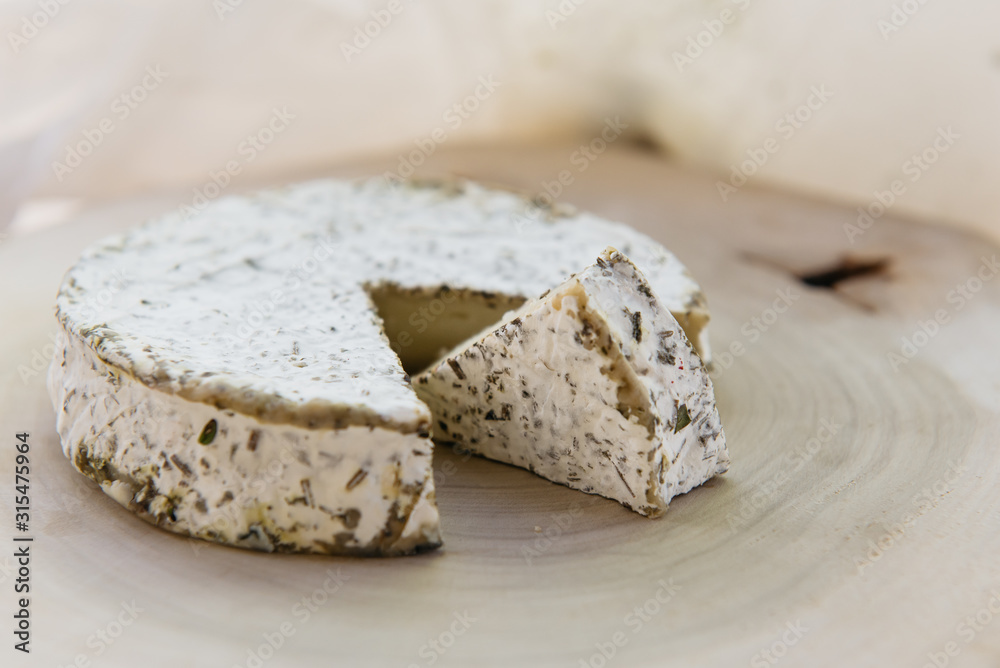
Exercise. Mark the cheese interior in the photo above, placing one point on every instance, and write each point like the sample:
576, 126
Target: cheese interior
594, 386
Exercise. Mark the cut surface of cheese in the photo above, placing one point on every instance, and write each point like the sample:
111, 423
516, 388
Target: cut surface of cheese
594, 385
236, 375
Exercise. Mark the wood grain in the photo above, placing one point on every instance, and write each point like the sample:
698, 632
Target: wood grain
859, 524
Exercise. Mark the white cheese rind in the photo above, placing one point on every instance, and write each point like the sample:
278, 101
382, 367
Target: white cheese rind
259, 313
259, 304
357, 490
585, 387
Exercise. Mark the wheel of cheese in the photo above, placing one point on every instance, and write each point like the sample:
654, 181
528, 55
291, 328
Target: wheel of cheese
242, 375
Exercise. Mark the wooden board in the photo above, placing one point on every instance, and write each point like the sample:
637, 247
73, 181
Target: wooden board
859, 524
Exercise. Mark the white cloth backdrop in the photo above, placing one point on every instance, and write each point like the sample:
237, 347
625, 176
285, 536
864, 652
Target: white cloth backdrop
165, 93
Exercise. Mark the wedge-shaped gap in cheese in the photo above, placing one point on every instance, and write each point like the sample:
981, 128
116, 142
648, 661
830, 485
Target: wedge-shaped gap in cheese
422, 323
593, 385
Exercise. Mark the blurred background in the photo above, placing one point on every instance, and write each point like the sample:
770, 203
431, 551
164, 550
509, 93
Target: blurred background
113, 110
879, 104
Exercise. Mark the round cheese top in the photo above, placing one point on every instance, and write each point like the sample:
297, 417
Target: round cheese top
267, 304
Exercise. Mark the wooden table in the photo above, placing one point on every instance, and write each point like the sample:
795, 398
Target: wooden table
859, 524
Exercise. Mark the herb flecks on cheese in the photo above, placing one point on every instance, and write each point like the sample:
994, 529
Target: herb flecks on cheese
593, 386
245, 384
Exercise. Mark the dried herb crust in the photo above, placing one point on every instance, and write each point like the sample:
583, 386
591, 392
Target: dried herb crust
594, 386
220, 476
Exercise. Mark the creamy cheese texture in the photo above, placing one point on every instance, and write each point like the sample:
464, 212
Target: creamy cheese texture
594, 386
244, 384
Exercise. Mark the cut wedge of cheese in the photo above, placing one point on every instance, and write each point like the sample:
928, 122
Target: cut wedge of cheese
594, 386
241, 375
